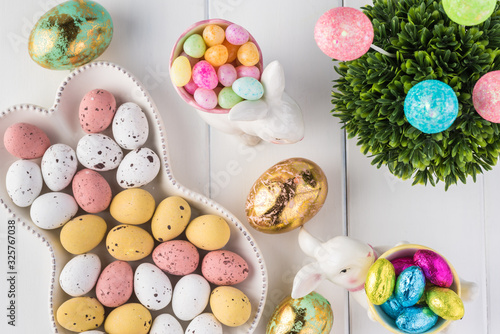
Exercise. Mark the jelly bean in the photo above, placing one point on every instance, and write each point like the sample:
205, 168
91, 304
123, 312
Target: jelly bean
232, 51
216, 55
194, 46
204, 75
206, 98
248, 88
191, 87
236, 34
180, 72
227, 74
248, 71
248, 54
213, 35
228, 98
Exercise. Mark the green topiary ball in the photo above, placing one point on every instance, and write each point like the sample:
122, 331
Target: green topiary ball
368, 97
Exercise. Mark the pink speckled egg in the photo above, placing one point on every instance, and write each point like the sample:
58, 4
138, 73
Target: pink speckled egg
248, 71
236, 35
115, 284
401, 263
176, 257
486, 96
344, 33
91, 191
25, 141
204, 75
191, 87
434, 266
227, 74
97, 110
223, 267
206, 98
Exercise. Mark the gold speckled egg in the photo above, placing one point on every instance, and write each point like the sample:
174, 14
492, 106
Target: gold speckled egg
170, 218
70, 35
230, 306
208, 232
133, 206
380, 281
129, 243
309, 314
286, 196
83, 233
445, 303
130, 318
80, 314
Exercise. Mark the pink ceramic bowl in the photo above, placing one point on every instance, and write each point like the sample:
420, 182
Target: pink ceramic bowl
197, 28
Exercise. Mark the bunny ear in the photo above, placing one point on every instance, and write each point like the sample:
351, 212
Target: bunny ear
307, 279
248, 111
273, 80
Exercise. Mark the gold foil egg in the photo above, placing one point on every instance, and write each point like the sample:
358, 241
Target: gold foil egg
70, 34
286, 196
445, 303
380, 281
311, 314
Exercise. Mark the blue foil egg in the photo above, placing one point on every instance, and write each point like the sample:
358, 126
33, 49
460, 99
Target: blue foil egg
392, 307
410, 286
416, 319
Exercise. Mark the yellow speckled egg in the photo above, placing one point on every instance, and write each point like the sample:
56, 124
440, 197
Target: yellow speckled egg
445, 303
80, 314
130, 318
230, 306
83, 233
129, 243
380, 281
208, 232
133, 206
170, 218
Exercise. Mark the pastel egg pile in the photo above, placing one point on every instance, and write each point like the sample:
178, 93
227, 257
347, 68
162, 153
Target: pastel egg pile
218, 67
414, 291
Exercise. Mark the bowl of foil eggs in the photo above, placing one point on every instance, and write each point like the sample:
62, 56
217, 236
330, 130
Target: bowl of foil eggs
413, 289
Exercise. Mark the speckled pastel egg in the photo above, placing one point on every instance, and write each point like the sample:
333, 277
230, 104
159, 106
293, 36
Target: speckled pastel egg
53, 210
190, 297
25, 141
204, 75
23, 182
132, 206
205, 323
130, 126
194, 46
213, 35
445, 303
166, 324
401, 263
232, 51
191, 87
80, 314
216, 55
344, 33
223, 267
416, 319
248, 71
180, 71
226, 74
435, 267
380, 281
91, 190
115, 284
228, 98
230, 306
248, 88
97, 110
138, 168
98, 152
80, 274
58, 166
129, 243
170, 218
485, 96
206, 98
392, 307
176, 257
130, 318
236, 34
152, 287
410, 286
208, 232
248, 54
83, 233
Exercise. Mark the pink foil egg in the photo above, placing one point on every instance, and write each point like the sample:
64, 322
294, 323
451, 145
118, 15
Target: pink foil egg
248, 71
25, 141
206, 98
435, 267
401, 263
227, 74
486, 96
236, 35
204, 75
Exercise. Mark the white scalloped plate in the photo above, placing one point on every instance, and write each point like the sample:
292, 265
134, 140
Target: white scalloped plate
62, 126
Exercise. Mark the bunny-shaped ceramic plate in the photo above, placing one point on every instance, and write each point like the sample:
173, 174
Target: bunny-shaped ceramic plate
61, 124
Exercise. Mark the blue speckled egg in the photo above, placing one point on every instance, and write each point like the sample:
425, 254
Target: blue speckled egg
392, 307
248, 88
410, 286
416, 319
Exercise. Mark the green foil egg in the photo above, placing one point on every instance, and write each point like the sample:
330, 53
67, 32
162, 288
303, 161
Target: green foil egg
380, 281
70, 35
445, 303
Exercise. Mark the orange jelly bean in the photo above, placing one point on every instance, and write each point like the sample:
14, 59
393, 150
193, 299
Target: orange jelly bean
216, 55
248, 54
213, 35
232, 51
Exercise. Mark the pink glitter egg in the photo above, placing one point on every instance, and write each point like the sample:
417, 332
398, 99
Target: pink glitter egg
204, 75
236, 35
435, 268
401, 263
486, 96
227, 74
344, 33
206, 98
248, 71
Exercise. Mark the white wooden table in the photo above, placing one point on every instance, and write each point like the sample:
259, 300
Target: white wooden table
368, 204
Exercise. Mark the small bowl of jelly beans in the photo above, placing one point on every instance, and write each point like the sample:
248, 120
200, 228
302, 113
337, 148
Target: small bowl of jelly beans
208, 58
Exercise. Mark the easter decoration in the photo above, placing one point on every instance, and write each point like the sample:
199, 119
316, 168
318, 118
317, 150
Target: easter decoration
408, 100
241, 97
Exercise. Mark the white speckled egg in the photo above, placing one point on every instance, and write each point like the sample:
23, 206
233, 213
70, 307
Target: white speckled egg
205, 323
80, 274
166, 324
152, 287
58, 166
139, 167
53, 210
130, 126
23, 182
98, 152
191, 295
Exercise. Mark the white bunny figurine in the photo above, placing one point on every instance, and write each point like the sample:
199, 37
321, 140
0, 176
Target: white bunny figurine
274, 118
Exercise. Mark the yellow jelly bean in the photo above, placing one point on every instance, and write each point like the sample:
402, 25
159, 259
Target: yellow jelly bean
213, 35
216, 55
232, 51
180, 72
248, 54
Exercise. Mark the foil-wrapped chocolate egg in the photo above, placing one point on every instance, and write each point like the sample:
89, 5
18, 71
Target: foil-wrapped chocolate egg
309, 314
410, 286
286, 196
434, 266
380, 281
70, 34
445, 303
416, 319
401, 263
392, 307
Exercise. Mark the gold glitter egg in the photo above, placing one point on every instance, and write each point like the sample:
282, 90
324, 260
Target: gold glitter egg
380, 281
311, 314
286, 196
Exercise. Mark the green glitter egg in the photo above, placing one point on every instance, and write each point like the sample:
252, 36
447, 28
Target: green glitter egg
469, 12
